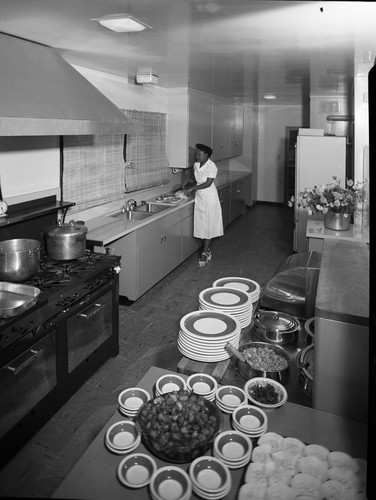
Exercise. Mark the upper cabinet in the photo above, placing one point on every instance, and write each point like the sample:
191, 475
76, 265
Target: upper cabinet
195, 117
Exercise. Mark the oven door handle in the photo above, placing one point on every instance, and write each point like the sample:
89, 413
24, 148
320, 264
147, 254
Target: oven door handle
16, 369
92, 312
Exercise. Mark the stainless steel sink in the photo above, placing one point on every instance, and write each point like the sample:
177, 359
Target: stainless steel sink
132, 215
151, 208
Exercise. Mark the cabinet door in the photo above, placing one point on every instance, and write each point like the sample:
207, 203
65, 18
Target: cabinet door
225, 199
171, 248
126, 248
237, 200
189, 244
236, 130
221, 130
150, 261
200, 121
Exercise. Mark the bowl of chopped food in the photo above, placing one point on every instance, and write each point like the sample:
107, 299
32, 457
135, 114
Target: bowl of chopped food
179, 426
264, 360
265, 392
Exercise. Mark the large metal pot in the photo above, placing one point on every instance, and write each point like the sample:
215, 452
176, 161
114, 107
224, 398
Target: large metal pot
66, 241
19, 259
276, 327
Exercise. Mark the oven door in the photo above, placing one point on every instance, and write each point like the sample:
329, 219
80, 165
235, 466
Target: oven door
93, 326
26, 380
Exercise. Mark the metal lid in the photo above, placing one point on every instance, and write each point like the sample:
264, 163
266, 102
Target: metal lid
71, 229
276, 321
306, 361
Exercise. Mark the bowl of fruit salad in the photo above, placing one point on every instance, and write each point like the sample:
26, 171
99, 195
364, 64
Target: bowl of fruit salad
179, 426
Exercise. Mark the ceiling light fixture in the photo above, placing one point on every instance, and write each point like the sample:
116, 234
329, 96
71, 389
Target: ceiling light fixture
270, 97
122, 23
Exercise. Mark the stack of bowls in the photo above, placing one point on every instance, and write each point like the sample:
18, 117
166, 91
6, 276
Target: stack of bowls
203, 384
228, 300
229, 397
131, 399
233, 448
170, 482
122, 437
136, 470
169, 383
244, 284
211, 478
250, 420
204, 334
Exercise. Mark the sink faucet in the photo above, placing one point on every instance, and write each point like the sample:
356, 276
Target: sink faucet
130, 205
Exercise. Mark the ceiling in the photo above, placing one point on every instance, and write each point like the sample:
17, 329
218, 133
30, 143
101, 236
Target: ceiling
240, 49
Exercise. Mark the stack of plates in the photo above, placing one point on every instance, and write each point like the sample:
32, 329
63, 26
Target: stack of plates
228, 300
204, 334
211, 478
233, 448
250, 420
203, 384
122, 437
229, 397
244, 284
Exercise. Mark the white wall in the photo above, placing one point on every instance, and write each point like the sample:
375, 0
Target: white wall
29, 168
272, 123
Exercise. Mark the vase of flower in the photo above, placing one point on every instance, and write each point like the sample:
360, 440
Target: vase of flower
337, 221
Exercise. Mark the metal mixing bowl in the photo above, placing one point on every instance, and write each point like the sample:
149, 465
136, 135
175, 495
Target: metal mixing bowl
248, 371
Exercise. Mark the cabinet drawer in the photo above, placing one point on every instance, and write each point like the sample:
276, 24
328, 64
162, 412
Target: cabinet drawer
26, 380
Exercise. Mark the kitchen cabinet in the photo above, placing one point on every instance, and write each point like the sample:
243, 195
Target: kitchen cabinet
158, 250
221, 129
236, 130
194, 117
189, 121
225, 200
189, 244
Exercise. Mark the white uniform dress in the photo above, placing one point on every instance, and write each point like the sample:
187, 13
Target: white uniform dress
208, 211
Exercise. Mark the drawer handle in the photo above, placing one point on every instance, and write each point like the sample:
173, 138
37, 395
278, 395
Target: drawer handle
16, 369
93, 311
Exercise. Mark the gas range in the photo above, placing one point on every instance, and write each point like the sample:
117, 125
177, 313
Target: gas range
62, 285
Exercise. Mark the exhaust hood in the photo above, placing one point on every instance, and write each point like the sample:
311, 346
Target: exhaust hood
42, 94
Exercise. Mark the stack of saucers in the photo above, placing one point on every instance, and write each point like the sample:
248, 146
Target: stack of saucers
203, 384
233, 448
229, 397
204, 334
122, 437
246, 285
211, 478
131, 399
228, 300
250, 420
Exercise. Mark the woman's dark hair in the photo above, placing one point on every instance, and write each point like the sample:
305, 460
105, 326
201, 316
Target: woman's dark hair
205, 149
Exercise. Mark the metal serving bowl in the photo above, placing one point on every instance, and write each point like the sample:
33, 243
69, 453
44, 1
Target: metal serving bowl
276, 327
248, 371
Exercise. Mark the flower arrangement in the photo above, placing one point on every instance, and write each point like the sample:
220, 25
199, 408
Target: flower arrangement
331, 197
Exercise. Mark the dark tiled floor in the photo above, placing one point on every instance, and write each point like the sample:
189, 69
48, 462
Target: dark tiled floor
253, 246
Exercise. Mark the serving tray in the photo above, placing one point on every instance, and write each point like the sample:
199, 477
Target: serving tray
15, 298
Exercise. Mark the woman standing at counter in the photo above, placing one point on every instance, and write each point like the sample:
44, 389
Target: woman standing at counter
208, 212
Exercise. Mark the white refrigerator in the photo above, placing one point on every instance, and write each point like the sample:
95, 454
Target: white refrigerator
317, 160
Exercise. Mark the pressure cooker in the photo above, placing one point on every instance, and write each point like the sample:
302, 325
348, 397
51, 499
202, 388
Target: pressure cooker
66, 241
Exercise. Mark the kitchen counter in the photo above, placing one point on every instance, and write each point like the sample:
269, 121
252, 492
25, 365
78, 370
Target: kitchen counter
104, 229
343, 287
94, 475
317, 233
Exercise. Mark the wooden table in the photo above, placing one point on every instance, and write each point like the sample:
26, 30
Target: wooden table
94, 475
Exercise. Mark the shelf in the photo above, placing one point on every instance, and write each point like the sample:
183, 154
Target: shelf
21, 212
